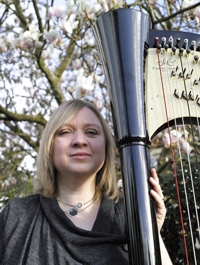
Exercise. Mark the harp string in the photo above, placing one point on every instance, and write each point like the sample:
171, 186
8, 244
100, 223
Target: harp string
197, 80
191, 85
179, 149
180, 155
195, 151
173, 161
197, 166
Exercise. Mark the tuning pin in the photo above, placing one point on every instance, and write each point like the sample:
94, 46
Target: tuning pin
198, 103
181, 74
173, 73
181, 50
191, 97
163, 41
188, 76
188, 51
198, 47
178, 43
176, 94
196, 82
174, 50
166, 47
196, 58
193, 45
156, 42
185, 44
184, 95
170, 42
159, 47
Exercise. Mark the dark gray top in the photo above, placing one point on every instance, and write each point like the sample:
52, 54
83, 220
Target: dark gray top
35, 231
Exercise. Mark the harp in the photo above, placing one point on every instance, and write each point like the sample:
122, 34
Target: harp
129, 50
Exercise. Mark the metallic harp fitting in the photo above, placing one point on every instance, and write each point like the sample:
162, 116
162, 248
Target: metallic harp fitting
136, 75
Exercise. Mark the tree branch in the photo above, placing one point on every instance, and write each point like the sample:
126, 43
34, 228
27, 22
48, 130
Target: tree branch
20, 15
21, 134
175, 14
21, 117
38, 16
53, 80
66, 61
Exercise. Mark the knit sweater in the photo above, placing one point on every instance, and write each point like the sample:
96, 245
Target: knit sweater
35, 231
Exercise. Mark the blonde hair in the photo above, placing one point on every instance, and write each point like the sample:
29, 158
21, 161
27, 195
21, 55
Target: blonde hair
106, 182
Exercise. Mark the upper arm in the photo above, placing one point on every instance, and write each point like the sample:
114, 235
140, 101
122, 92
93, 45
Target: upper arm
2, 218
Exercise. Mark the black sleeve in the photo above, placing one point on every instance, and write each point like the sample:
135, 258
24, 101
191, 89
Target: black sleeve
3, 217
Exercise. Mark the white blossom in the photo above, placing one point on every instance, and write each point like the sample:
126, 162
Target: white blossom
52, 36
197, 20
32, 34
89, 8
83, 81
68, 24
76, 64
166, 139
197, 11
56, 11
46, 54
70, 7
197, 244
172, 138
187, 3
185, 146
28, 40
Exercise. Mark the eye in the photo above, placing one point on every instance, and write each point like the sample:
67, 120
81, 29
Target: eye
91, 132
65, 131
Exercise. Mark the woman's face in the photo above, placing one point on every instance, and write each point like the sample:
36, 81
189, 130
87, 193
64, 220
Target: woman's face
79, 147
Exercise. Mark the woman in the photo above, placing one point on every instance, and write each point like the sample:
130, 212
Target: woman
77, 217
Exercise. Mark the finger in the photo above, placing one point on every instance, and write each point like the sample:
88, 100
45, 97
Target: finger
160, 209
157, 198
154, 181
160, 205
156, 187
154, 174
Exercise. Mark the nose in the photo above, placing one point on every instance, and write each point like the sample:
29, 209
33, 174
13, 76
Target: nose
79, 139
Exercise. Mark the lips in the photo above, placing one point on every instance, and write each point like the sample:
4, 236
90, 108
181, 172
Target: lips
80, 154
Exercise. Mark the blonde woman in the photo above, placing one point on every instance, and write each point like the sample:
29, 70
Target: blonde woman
77, 215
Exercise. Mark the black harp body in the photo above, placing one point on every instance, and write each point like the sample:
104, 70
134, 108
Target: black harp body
121, 36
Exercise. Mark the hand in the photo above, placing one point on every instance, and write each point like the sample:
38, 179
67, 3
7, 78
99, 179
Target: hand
158, 197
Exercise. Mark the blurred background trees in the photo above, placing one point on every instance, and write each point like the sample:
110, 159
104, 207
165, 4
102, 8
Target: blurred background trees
48, 55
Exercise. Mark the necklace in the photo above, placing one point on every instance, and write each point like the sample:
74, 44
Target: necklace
73, 211
76, 207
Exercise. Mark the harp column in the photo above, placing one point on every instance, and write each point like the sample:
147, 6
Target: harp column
121, 35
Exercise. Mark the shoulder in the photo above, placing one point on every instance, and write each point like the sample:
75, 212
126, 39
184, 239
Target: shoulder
119, 205
24, 201
20, 206
120, 211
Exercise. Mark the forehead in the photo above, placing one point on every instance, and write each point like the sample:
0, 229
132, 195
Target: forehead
86, 116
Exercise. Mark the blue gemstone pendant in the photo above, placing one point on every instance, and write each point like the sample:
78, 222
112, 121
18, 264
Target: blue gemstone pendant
73, 212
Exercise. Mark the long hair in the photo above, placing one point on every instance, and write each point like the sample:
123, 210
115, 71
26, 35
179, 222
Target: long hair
46, 173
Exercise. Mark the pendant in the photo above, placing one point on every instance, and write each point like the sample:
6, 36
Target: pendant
78, 205
72, 212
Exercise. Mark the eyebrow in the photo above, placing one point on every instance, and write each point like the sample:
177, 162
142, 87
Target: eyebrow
85, 125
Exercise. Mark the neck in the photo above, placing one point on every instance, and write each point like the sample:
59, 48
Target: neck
73, 192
